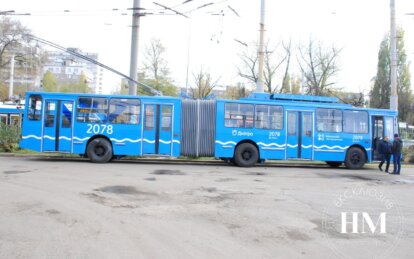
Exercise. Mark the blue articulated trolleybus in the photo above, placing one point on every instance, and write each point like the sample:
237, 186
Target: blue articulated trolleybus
11, 114
244, 132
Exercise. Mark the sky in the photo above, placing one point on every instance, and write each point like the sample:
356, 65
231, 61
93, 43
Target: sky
206, 39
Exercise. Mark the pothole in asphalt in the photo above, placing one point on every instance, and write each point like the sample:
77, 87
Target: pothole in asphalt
168, 172
120, 189
16, 171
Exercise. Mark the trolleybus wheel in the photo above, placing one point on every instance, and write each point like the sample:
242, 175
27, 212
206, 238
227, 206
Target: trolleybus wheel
334, 164
355, 158
99, 150
246, 155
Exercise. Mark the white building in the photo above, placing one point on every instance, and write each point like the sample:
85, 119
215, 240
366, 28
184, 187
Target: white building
67, 67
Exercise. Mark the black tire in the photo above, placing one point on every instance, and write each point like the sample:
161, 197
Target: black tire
99, 150
334, 164
355, 158
246, 155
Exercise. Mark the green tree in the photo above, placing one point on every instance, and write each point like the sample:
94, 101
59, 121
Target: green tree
81, 86
380, 92
49, 82
236, 92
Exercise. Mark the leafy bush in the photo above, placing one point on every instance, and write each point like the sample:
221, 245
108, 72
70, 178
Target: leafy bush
408, 154
9, 137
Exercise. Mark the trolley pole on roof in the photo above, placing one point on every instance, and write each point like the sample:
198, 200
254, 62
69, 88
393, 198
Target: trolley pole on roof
259, 83
133, 68
393, 51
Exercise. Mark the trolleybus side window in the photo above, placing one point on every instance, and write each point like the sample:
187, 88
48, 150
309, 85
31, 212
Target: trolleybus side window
269, 117
356, 122
237, 115
149, 123
307, 124
166, 118
329, 120
291, 123
122, 110
50, 114
92, 109
35, 107
67, 114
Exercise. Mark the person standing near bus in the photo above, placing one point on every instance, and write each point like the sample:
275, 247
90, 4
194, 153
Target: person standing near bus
385, 150
396, 151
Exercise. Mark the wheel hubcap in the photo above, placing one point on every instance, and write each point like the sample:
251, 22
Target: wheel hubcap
247, 155
99, 151
355, 159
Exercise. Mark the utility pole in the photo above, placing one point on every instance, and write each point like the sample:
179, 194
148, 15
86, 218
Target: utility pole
393, 51
259, 84
11, 80
133, 67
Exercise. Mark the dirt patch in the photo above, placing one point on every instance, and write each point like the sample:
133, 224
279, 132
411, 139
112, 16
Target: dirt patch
297, 235
222, 180
167, 172
16, 172
150, 179
95, 197
208, 189
52, 212
256, 173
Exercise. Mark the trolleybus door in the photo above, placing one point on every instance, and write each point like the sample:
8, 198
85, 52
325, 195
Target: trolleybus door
57, 126
381, 126
157, 129
299, 135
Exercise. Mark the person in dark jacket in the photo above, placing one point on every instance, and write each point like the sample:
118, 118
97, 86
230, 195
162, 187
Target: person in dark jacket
396, 152
385, 150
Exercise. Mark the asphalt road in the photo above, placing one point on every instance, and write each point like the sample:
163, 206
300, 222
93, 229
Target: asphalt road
71, 208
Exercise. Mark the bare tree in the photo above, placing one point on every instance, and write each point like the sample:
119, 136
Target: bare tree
156, 72
250, 63
155, 64
319, 67
28, 57
204, 85
286, 84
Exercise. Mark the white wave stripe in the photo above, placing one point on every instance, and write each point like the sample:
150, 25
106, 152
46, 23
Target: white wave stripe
125, 140
226, 143
149, 141
308, 146
331, 147
270, 145
292, 146
49, 137
31, 136
64, 138
169, 141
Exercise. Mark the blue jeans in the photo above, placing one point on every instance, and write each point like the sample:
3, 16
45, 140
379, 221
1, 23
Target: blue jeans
385, 157
397, 163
